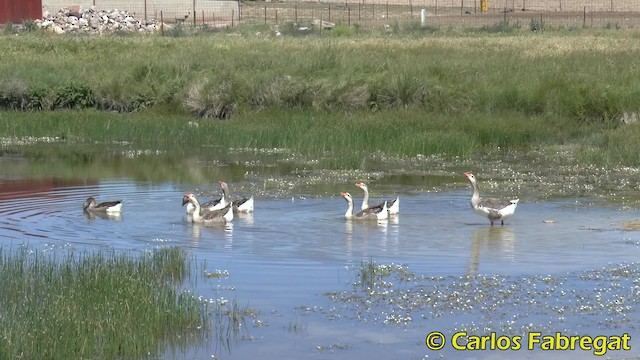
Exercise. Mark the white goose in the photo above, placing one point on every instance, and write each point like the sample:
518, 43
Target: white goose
394, 205
244, 205
209, 205
374, 213
493, 209
90, 205
208, 217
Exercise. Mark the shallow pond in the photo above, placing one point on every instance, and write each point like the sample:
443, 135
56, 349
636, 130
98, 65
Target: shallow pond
560, 264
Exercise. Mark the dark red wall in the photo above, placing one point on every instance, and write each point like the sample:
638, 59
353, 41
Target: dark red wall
17, 11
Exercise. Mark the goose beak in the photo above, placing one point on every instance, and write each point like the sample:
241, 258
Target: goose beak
185, 200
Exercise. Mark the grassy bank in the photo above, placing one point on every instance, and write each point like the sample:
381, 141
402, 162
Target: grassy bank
100, 305
221, 75
451, 93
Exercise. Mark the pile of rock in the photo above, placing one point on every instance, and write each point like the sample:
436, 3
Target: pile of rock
92, 21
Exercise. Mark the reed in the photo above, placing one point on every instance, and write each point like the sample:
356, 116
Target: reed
96, 305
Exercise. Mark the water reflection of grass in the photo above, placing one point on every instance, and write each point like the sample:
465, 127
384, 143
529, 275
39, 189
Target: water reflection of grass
99, 305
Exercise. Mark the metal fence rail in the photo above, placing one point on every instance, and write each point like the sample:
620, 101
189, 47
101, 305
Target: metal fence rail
371, 13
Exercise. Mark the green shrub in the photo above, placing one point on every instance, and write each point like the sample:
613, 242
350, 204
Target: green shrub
29, 25
74, 95
13, 92
37, 99
210, 100
536, 25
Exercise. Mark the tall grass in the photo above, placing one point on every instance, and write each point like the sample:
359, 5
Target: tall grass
218, 76
440, 92
100, 305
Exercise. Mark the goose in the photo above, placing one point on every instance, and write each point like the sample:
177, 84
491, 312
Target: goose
374, 213
493, 209
394, 205
214, 204
244, 205
219, 216
91, 205
209, 205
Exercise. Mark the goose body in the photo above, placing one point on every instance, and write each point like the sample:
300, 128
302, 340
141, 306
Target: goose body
373, 213
244, 205
91, 205
492, 209
393, 205
208, 217
209, 205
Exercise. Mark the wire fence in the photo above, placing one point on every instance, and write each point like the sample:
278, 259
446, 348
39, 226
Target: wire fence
436, 13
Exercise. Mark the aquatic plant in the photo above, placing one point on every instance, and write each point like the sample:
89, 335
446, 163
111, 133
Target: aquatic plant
95, 305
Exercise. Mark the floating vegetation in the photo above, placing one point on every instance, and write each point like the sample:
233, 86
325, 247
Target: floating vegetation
603, 299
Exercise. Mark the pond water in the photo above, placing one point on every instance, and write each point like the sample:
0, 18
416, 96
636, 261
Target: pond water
298, 263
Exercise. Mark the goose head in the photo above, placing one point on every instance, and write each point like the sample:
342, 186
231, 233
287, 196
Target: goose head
188, 198
88, 203
362, 186
470, 176
347, 197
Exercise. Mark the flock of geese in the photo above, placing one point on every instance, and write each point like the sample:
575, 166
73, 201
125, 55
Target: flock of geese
222, 210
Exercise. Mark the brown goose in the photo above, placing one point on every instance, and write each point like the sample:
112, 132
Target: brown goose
207, 217
493, 209
91, 205
394, 205
374, 213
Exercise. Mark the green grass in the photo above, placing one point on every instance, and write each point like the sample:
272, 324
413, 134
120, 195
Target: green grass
99, 305
433, 92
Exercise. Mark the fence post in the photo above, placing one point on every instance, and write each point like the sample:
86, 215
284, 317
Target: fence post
161, 24
387, 10
213, 18
541, 27
411, 9
329, 11
584, 17
194, 13
423, 17
276, 16
349, 16
265, 14
436, 9
145, 8
239, 10
462, 7
203, 23
233, 17
359, 17
295, 12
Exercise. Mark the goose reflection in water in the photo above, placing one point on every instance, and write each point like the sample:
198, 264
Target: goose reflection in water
198, 230
91, 215
494, 241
